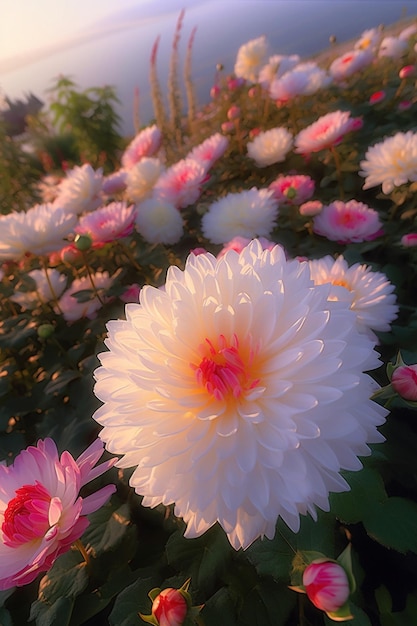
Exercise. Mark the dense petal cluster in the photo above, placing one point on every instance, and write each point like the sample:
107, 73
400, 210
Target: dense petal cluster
237, 392
348, 222
210, 150
40, 230
392, 162
303, 80
370, 293
293, 189
270, 146
142, 177
326, 584
181, 184
159, 221
250, 59
41, 511
81, 190
248, 213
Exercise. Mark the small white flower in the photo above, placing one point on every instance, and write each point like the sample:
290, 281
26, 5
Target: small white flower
250, 213
159, 221
81, 190
271, 146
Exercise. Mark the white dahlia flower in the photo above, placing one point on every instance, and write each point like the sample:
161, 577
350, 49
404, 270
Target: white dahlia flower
159, 221
40, 230
277, 65
270, 146
81, 190
250, 59
370, 293
249, 213
303, 80
392, 47
237, 392
392, 162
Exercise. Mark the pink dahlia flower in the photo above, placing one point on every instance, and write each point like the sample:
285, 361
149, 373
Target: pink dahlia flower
239, 243
348, 222
409, 240
145, 144
210, 150
181, 184
293, 189
41, 511
327, 585
326, 132
350, 63
107, 224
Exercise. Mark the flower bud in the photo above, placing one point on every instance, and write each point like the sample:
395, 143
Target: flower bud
170, 607
407, 71
326, 584
83, 242
409, 240
233, 113
404, 382
70, 254
45, 331
214, 92
377, 96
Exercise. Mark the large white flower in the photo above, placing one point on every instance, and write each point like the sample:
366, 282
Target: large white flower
392, 162
42, 229
270, 146
237, 393
248, 213
250, 58
370, 293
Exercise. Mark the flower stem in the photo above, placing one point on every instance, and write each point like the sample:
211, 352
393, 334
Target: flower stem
338, 171
80, 546
90, 276
51, 289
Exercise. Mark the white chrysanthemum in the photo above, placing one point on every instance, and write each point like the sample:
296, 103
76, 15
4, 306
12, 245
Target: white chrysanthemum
141, 178
370, 293
46, 289
277, 65
250, 58
303, 80
369, 39
351, 62
210, 150
146, 143
40, 230
158, 221
250, 213
271, 146
238, 392
81, 190
408, 32
181, 184
392, 162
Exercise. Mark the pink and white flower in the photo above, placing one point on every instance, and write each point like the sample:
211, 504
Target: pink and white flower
114, 183
146, 144
72, 310
159, 221
181, 184
371, 295
409, 240
41, 511
250, 59
303, 80
329, 130
348, 222
239, 243
210, 150
107, 224
81, 190
350, 63
391, 162
204, 381
270, 146
293, 189
251, 213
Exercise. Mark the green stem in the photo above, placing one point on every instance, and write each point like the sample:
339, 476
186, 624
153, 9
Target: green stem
80, 546
90, 276
52, 290
338, 171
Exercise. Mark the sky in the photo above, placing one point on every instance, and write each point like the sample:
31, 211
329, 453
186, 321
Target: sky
35, 28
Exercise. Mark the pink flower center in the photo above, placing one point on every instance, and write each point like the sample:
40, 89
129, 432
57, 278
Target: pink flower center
27, 516
222, 371
351, 219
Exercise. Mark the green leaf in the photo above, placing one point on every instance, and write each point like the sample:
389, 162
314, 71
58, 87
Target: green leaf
132, 601
267, 603
203, 559
5, 617
393, 523
218, 605
367, 491
60, 380
110, 530
360, 618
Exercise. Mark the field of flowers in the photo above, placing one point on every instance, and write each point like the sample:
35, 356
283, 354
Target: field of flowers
208, 344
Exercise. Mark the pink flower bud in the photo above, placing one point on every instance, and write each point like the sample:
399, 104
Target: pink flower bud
404, 105
310, 208
409, 240
235, 83
214, 92
233, 113
254, 132
407, 71
404, 382
170, 607
376, 97
326, 584
252, 92
70, 254
227, 127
